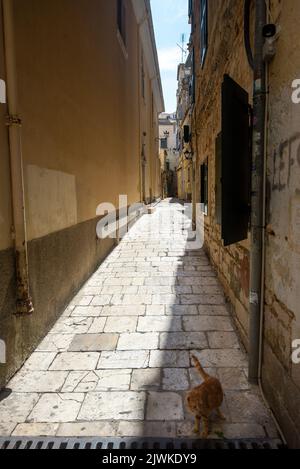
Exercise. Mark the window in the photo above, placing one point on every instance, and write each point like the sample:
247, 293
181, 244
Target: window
164, 143
203, 30
121, 13
204, 186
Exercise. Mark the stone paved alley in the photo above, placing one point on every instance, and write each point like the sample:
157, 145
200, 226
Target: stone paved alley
117, 363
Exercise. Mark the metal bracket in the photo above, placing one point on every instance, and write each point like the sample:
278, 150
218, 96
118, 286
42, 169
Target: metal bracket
13, 120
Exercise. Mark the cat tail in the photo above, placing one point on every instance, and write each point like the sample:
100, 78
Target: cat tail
198, 366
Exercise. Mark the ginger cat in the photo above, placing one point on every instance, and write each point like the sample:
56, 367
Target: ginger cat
204, 399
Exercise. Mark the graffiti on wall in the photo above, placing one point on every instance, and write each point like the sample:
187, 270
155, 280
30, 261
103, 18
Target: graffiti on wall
285, 158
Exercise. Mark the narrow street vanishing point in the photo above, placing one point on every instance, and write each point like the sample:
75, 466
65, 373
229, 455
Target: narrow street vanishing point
149, 224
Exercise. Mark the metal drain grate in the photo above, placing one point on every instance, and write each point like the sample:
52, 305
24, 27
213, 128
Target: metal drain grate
130, 443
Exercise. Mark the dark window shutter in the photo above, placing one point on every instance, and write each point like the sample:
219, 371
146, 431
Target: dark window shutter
218, 208
236, 162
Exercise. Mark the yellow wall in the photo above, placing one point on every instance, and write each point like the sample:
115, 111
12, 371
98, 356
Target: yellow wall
79, 102
5, 195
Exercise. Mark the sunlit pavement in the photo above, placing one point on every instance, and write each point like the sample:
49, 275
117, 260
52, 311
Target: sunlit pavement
117, 363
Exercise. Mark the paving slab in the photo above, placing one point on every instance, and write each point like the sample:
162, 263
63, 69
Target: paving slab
93, 342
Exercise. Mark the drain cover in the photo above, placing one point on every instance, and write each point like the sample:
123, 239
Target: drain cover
130, 443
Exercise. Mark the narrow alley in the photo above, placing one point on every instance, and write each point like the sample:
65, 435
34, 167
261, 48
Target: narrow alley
117, 363
177, 119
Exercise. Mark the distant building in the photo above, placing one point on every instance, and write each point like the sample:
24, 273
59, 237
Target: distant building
168, 154
185, 93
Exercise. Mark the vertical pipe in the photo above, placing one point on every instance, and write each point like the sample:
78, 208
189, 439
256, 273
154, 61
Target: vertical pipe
24, 303
257, 215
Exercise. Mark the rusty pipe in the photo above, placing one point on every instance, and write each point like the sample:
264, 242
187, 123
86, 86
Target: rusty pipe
14, 123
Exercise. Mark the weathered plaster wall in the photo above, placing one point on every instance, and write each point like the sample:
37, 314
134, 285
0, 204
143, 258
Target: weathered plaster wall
79, 103
5, 189
7, 261
282, 301
225, 54
79, 99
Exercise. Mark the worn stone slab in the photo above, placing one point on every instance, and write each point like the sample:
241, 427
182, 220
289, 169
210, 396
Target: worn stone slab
124, 359
159, 324
97, 326
233, 379
164, 406
183, 341
16, 407
211, 310
208, 323
38, 381
74, 378
169, 359
117, 281
94, 342
55, 343
101, 300
72, 325
113, 380
227, 358
87, 311
207, 290
87, 429
131, 300
182, 310
113, 406
197, 280
147, 429
75, 361
56, 408
6, 429
132, 310
138, 341
221, 340
39, 361
155, 310
146, 379
175, 379
87, 383
121, 325
247, 407
82, 300
36, 430
167, 300
202, 299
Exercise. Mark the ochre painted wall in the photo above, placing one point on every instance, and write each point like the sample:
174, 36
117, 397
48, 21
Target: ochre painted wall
79, 101
79, 105
5, 189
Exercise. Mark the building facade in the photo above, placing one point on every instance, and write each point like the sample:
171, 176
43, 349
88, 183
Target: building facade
168, 154
185, 101
222, 71
83, 98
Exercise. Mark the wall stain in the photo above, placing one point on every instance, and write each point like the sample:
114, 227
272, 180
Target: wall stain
283, 161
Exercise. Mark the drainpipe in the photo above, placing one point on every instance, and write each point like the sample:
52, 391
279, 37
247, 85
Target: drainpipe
14, 123
258, 199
